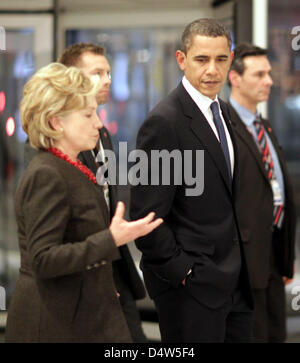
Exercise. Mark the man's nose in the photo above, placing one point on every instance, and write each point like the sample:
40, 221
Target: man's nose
106, 78
269, 80
211, 68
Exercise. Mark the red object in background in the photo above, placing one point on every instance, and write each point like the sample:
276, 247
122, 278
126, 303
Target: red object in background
112, 126
2, 101
102, 114
10, 126
9, 170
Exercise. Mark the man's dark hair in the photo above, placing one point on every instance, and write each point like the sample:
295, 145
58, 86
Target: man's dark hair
72, 55
205, 27
242, 51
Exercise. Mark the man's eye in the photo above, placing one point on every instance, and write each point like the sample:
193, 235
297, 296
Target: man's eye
89, 115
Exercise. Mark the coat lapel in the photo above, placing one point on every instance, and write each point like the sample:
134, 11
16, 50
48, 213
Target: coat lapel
86, 157
247, 138
204, 133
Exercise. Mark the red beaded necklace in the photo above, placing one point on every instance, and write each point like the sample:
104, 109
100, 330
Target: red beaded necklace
78, 164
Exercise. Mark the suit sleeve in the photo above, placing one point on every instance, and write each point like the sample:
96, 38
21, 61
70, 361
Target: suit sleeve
46, 213
161, 253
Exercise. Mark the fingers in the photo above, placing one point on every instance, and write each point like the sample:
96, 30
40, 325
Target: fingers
149, 217
147, 227
120, 210
156, 223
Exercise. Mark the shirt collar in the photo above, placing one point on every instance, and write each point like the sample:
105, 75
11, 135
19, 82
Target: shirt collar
246, 116
202, 101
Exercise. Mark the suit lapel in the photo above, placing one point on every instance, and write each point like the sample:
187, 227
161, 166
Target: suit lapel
107, 145
204, 133
247, 137
86, 157
269, 131
228, 122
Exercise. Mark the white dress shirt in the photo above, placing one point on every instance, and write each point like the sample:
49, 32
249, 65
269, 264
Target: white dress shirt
204, 103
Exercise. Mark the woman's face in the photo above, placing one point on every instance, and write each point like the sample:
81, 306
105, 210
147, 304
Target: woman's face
80, 130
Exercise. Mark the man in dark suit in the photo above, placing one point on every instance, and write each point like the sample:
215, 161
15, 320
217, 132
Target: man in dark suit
91, 59
264, 204
193, 264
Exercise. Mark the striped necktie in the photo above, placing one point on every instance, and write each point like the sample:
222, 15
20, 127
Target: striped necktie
278, 212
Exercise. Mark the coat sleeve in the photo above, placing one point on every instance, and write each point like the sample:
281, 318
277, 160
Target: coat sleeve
161, 254
46, 213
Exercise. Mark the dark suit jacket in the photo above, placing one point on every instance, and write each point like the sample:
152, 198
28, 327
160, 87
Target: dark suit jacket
65, 291
254, 206
125, 273
198, 232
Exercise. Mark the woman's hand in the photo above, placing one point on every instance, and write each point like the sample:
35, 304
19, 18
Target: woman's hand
124, 231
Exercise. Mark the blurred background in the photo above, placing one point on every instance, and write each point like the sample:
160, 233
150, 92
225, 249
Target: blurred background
141, 37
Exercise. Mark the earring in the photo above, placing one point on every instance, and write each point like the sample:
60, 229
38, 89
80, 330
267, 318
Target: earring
61, 130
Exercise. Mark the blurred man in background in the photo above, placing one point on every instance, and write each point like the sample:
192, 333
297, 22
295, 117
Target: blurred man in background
265, 207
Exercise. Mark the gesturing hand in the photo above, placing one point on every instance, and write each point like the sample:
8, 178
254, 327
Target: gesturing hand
124, 231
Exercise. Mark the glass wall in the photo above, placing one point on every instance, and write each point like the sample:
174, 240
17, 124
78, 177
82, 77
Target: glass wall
29, 44
16, 65
284, 103
144, 70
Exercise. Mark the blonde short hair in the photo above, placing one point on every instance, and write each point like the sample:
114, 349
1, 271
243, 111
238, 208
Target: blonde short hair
53, 91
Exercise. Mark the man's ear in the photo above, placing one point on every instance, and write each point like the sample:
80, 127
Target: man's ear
234, 78
181, 59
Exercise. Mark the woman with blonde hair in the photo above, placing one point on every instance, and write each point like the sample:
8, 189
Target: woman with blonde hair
65, 290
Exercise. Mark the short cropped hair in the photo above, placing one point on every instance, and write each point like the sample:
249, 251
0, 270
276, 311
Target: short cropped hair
54, 90
72, 55
205, 27
242, 51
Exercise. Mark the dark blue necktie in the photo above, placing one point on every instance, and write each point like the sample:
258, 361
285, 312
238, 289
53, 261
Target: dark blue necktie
222, 136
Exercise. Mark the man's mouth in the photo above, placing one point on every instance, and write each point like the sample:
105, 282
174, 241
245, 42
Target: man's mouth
211, 83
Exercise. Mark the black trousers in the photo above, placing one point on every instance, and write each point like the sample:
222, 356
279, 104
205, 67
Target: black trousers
269, 317
131, 313
182, 319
